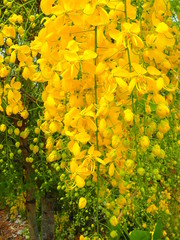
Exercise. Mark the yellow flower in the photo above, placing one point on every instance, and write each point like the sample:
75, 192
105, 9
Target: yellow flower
20, 19
147, 109
9, 31
26, 73
115, 141
16, 131
152, 209
1, 39
35, 149
54, 127
159, 135
13, 18
128, 116
49, 143
102, 125
76, 149
19, 123
37, 130
46, 6
162, 110
141, 171
4, 72
9, 110
111, 169
144, 142
24, 114
121, 201
129, 34
164, 126
25, 133
79, 181
82, 202
113, 234
81, 237
129, 163
144, 225
162, 28
31, 18
164, 233
2, 127
13, 57
156, 150
53, 156
50, 101
113, 221
82, 137
9, 41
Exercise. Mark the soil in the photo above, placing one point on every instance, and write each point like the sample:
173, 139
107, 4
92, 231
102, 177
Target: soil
11, 230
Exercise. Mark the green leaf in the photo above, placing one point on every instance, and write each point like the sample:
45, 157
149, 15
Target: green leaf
153, 106
140, 235
158, 231
126, 229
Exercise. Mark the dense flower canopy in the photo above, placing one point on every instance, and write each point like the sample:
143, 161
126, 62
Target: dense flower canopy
106, 80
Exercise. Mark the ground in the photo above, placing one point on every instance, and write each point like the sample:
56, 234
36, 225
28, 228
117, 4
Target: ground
10, 230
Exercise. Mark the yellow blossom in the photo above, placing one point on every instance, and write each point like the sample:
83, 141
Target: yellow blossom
79, 181
162, 110
82, 202
152, 209
128, 116
113, 221
144, 142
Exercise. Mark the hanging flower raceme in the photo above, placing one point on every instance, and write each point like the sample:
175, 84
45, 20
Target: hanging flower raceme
13, 96
109, 87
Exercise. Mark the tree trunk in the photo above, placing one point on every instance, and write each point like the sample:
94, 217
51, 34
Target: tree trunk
31, 215
47, 217
30, 190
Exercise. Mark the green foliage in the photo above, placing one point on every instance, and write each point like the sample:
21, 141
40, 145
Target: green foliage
175, 6
140, 235
158, 231
145, 235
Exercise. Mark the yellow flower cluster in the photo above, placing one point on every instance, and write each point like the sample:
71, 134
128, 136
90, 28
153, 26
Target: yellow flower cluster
106, 69
92, 67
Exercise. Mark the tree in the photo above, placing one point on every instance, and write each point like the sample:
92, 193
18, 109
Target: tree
101, 79
20, 112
